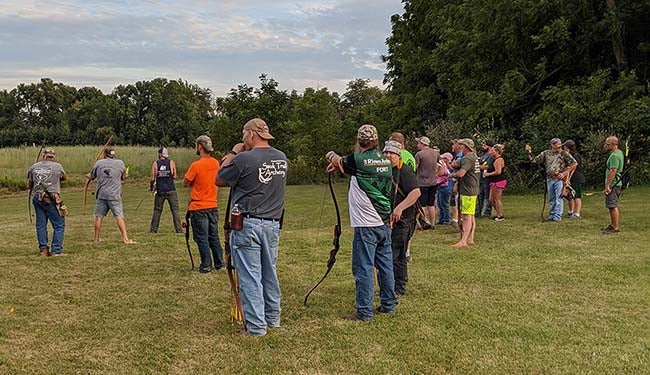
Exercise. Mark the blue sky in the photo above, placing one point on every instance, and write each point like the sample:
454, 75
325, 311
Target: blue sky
215, 44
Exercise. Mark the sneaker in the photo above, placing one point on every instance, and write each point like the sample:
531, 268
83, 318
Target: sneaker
205, 270
382, 310
607, 228
454, 224
611, 231
499, 218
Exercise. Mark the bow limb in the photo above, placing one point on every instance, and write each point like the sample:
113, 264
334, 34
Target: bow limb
31, 188
99, 155
236, 308
335, 241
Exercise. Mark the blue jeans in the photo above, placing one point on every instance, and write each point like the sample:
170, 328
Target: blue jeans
254, 251
442, 201
556, 204
371, 247
483, 200
206, 236
45, 212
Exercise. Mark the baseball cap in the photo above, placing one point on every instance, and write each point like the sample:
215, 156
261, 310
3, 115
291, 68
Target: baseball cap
49, 152
260, 127
109, 152
489, 143
569, 143
555, 140
447, 156
467, 142
424, 140
367, 133
163, 152
393, 147
206, 142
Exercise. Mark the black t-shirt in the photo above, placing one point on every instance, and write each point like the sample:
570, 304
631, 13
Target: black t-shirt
406, 179
579, 174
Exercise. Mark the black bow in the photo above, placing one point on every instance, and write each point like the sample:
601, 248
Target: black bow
335, 241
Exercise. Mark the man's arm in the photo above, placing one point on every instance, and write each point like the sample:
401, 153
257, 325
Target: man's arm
334, 162
173, 166
611, 175
152, 176
227, 160
410, 200
459, 174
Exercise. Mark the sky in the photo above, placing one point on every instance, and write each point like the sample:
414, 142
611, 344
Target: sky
216, 44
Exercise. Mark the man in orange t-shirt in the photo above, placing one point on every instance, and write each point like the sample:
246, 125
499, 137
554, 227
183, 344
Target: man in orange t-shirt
202, 209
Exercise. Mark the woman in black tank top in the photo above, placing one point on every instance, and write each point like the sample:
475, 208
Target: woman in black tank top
497, 179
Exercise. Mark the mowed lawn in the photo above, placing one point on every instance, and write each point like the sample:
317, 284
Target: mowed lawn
529, 297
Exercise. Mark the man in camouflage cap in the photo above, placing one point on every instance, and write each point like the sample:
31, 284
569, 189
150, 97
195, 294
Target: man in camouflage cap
44, 178
370, 207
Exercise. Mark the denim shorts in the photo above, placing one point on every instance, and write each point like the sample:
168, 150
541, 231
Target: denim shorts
102, 206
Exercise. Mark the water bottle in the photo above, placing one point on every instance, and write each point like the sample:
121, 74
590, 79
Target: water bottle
236, 218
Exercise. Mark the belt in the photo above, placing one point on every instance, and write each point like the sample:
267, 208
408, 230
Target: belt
260, 218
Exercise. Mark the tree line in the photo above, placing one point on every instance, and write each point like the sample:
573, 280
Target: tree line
508, 71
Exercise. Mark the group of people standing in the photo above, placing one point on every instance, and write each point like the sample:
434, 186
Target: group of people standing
389, 187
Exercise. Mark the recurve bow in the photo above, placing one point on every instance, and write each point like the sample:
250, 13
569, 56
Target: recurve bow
31, 188
335, 241
236, 309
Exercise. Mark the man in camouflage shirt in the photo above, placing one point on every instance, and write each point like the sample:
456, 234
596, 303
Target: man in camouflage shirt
558, 165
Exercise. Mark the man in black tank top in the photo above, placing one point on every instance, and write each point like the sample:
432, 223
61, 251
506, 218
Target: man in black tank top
163, 174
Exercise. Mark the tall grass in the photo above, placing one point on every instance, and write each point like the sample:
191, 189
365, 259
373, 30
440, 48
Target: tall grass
77, 161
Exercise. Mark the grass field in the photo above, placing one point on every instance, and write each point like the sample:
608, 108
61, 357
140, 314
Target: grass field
529, 297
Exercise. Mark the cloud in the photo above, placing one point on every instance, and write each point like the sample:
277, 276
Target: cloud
219, 44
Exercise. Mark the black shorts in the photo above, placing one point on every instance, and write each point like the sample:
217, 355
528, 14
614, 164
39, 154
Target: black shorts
428, 196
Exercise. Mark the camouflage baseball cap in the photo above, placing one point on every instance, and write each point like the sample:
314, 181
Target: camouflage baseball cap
367, 133
205, 142
49, 152
393, 146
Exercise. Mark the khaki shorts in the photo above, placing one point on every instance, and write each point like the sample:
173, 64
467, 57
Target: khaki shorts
468, 204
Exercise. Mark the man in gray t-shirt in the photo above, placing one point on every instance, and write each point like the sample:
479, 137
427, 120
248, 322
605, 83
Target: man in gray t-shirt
257, 176
426, 161
110, 173
44, 178
468, 189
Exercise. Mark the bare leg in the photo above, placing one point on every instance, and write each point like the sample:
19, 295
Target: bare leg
470, 236
578, 206
122, 225
98, 226
431, 210
466, 225
613, 215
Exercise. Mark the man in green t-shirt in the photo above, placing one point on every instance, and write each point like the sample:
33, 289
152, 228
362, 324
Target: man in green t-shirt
613, 183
